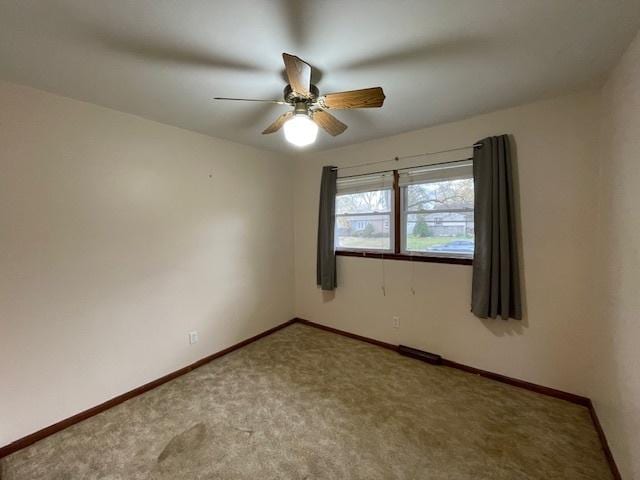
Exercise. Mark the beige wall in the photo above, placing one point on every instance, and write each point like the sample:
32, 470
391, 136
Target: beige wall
617, 374
119, 235
115, 243
557, 164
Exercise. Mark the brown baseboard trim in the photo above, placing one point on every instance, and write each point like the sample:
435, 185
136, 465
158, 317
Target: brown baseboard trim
386, 345
61, 425
604, 442
552, 392
67, 422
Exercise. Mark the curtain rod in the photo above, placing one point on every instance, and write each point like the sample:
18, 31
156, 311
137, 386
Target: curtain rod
397, 159
409, 168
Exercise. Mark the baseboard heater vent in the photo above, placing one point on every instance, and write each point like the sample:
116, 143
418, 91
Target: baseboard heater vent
420, 355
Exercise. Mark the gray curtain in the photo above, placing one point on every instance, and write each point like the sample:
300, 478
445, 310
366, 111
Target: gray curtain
326, 260
496, 276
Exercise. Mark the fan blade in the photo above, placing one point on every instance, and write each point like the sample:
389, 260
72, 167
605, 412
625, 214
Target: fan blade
298, 73
365, 98
279, 102
277, 125
329, 123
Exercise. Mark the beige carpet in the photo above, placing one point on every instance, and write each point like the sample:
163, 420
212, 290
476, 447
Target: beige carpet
308, 404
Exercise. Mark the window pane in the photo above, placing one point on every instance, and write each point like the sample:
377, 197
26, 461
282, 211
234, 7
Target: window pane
364, 202
447, 195
439, 217
363, 220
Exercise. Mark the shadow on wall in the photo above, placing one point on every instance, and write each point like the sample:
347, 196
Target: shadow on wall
498, 326
501, 328
328, 295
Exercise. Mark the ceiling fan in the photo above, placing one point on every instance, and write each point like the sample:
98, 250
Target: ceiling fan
309, 107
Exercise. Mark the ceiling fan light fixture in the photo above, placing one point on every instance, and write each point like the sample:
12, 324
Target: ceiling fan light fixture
300, 130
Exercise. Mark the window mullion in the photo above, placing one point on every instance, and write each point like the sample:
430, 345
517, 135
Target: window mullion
397, 242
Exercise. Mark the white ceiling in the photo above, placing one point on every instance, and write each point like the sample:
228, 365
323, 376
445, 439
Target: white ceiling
437, 60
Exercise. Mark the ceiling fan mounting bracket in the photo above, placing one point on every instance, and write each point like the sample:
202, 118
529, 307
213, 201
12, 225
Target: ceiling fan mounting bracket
292, 97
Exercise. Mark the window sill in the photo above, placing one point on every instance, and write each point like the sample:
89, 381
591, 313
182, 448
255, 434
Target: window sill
406, 258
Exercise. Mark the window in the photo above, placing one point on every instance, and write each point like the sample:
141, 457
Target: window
433, 206
437, 210
364, 211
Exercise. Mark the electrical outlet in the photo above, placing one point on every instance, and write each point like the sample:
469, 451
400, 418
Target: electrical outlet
396, 322
193, 337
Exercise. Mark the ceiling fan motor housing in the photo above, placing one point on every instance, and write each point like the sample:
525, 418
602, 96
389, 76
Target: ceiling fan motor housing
291, 97
301, 108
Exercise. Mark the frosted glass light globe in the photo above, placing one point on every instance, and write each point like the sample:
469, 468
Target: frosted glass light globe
300, 130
